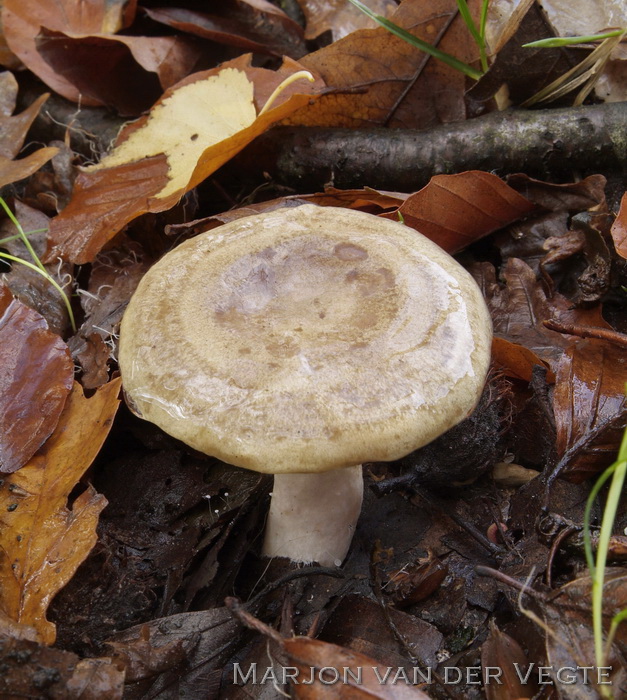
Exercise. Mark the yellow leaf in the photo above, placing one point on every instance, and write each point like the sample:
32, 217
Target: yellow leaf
42, 541
190, 120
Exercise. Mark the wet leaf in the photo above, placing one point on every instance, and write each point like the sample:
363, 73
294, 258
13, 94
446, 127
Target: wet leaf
501, 652
519, 309
307, 654
456, 210
340, 17
590, 406
197, 126
35, 379
42, 539
619, 229
68, 43
381, 80
138, 68
516, 360
13, 130
263, 29
55, 674
178, 656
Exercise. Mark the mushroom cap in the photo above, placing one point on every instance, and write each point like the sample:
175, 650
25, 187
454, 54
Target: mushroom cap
305, 339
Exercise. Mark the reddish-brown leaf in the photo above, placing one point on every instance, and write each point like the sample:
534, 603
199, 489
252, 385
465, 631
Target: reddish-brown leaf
70, 45
619, 229
42, 540
270, 32
455, 210
501, 681
590, 406
519, 309
127, 73
383, 80
311, 656
100, 206
35, 379
13, 130
66, 675
517, 361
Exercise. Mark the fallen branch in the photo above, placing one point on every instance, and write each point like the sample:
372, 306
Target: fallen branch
548, 143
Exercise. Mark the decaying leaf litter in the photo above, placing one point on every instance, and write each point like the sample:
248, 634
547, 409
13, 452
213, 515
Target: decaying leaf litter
121, 548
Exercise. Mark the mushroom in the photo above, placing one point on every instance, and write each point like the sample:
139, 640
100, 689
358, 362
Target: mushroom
302, 342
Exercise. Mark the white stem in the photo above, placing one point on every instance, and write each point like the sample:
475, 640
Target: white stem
313, 516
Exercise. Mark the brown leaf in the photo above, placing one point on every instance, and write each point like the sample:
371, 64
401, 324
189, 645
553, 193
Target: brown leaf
501, 652
138, 68
35, 380
619, 229
160, 160
519, 309
16, 170
269, 32
22, 22
382, 80
322, 661
13, 131
456, 210
571, 196
55, 674
42, 540
516, 360
68, 43
340, 17
590, 406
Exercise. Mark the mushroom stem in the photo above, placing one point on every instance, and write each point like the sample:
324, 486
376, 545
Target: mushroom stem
313, 516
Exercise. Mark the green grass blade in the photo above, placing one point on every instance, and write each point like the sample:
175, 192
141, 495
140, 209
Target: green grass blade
557, 41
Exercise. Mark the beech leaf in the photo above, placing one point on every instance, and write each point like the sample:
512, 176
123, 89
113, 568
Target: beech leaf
36, 373
190, 132
42, 539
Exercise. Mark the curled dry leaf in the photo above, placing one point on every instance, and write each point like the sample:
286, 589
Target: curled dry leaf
590, 406
340, 17
67, 44
519, 309
13, 131
193, 129
619, 229
456, 210
359, 677
42, 540
516, 360
500, 652
36, 373
55, 674
381, 80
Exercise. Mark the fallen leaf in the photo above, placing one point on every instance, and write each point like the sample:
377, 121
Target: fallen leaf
30, 670
379, 79
153, 651
42, 539
619, 229
197, 126
358, 676
500, 652
67, 43
340, 17
264, 29
519, 309
456, 210
590, 407
36, 373
13, 130
516, 360
127, 73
